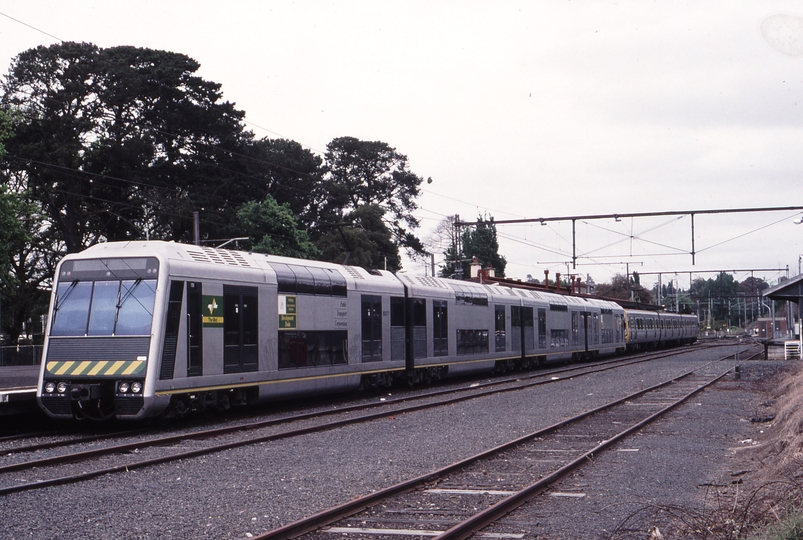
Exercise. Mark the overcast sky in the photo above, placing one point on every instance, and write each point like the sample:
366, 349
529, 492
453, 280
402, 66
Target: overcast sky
517, 109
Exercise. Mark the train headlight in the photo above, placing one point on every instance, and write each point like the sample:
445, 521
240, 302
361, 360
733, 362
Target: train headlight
62, 387
123, 387
50, 387
136, 387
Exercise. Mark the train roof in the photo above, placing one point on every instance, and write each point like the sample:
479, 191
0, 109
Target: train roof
238, 262
359, 277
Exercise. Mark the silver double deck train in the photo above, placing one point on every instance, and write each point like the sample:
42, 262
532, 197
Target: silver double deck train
141, 329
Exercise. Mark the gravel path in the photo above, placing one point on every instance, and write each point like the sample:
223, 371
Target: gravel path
250, 490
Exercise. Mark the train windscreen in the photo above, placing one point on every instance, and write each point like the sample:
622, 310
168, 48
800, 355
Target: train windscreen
105, 297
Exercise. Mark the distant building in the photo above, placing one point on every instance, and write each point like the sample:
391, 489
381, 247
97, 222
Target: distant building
763, 328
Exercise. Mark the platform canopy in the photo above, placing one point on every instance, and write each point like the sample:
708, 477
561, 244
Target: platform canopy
788, 290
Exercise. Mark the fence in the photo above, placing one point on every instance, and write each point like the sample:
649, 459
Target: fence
22, 355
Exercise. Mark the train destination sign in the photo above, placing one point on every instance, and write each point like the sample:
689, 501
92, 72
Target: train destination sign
287, 312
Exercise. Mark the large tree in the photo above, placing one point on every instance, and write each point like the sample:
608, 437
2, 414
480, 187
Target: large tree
362, 174
123, 143
274, 229
28, 263
625, 288
8, 217
363, 239
717, 293
24, 265
290, 174
479, 241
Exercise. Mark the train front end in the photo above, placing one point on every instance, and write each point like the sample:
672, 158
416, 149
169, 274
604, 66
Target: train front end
99, 337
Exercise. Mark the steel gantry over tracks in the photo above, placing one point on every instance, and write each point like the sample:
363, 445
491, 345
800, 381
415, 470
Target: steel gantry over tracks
617, 217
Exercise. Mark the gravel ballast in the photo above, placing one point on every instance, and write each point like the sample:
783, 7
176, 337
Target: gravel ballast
250, 490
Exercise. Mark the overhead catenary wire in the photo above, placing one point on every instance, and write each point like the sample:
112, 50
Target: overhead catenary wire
31, 27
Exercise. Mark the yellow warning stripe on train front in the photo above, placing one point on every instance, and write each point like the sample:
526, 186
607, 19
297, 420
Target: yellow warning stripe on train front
95, 368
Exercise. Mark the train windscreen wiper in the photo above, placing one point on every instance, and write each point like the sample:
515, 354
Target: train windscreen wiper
67, 293
129, 293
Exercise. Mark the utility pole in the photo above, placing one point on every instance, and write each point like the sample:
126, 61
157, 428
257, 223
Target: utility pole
196, 227
458, 242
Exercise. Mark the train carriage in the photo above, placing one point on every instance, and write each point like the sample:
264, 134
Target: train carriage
642, 329
648, 329
611, 327
678, 329
528, 327
670, 327
139, 329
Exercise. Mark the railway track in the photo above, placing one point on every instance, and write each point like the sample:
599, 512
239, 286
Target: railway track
69, 434
64, 438
187, 445
461, 499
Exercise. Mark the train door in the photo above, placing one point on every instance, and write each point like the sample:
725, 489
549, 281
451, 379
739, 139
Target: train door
586, 341
195, 349
529, 328
172, 324
500, 329
580, 329
440, 328
522, 330
408, 328
516, 337
398, 328
541, 328
419, 309
371, 308
240, 329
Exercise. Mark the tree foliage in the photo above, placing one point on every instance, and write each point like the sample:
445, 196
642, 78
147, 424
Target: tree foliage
290, 174
723, 286
5, 131
122, 143
362, 239
721, 296
274, 229
367, 186
625, 288
479, 241
482, 243
752, 286
127, 143
26, 263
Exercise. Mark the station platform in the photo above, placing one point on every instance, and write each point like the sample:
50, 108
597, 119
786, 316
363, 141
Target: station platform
17, 388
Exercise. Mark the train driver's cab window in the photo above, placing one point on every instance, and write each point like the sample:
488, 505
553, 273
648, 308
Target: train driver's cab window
104, 308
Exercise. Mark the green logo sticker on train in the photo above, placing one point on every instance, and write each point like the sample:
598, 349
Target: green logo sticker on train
213, 311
